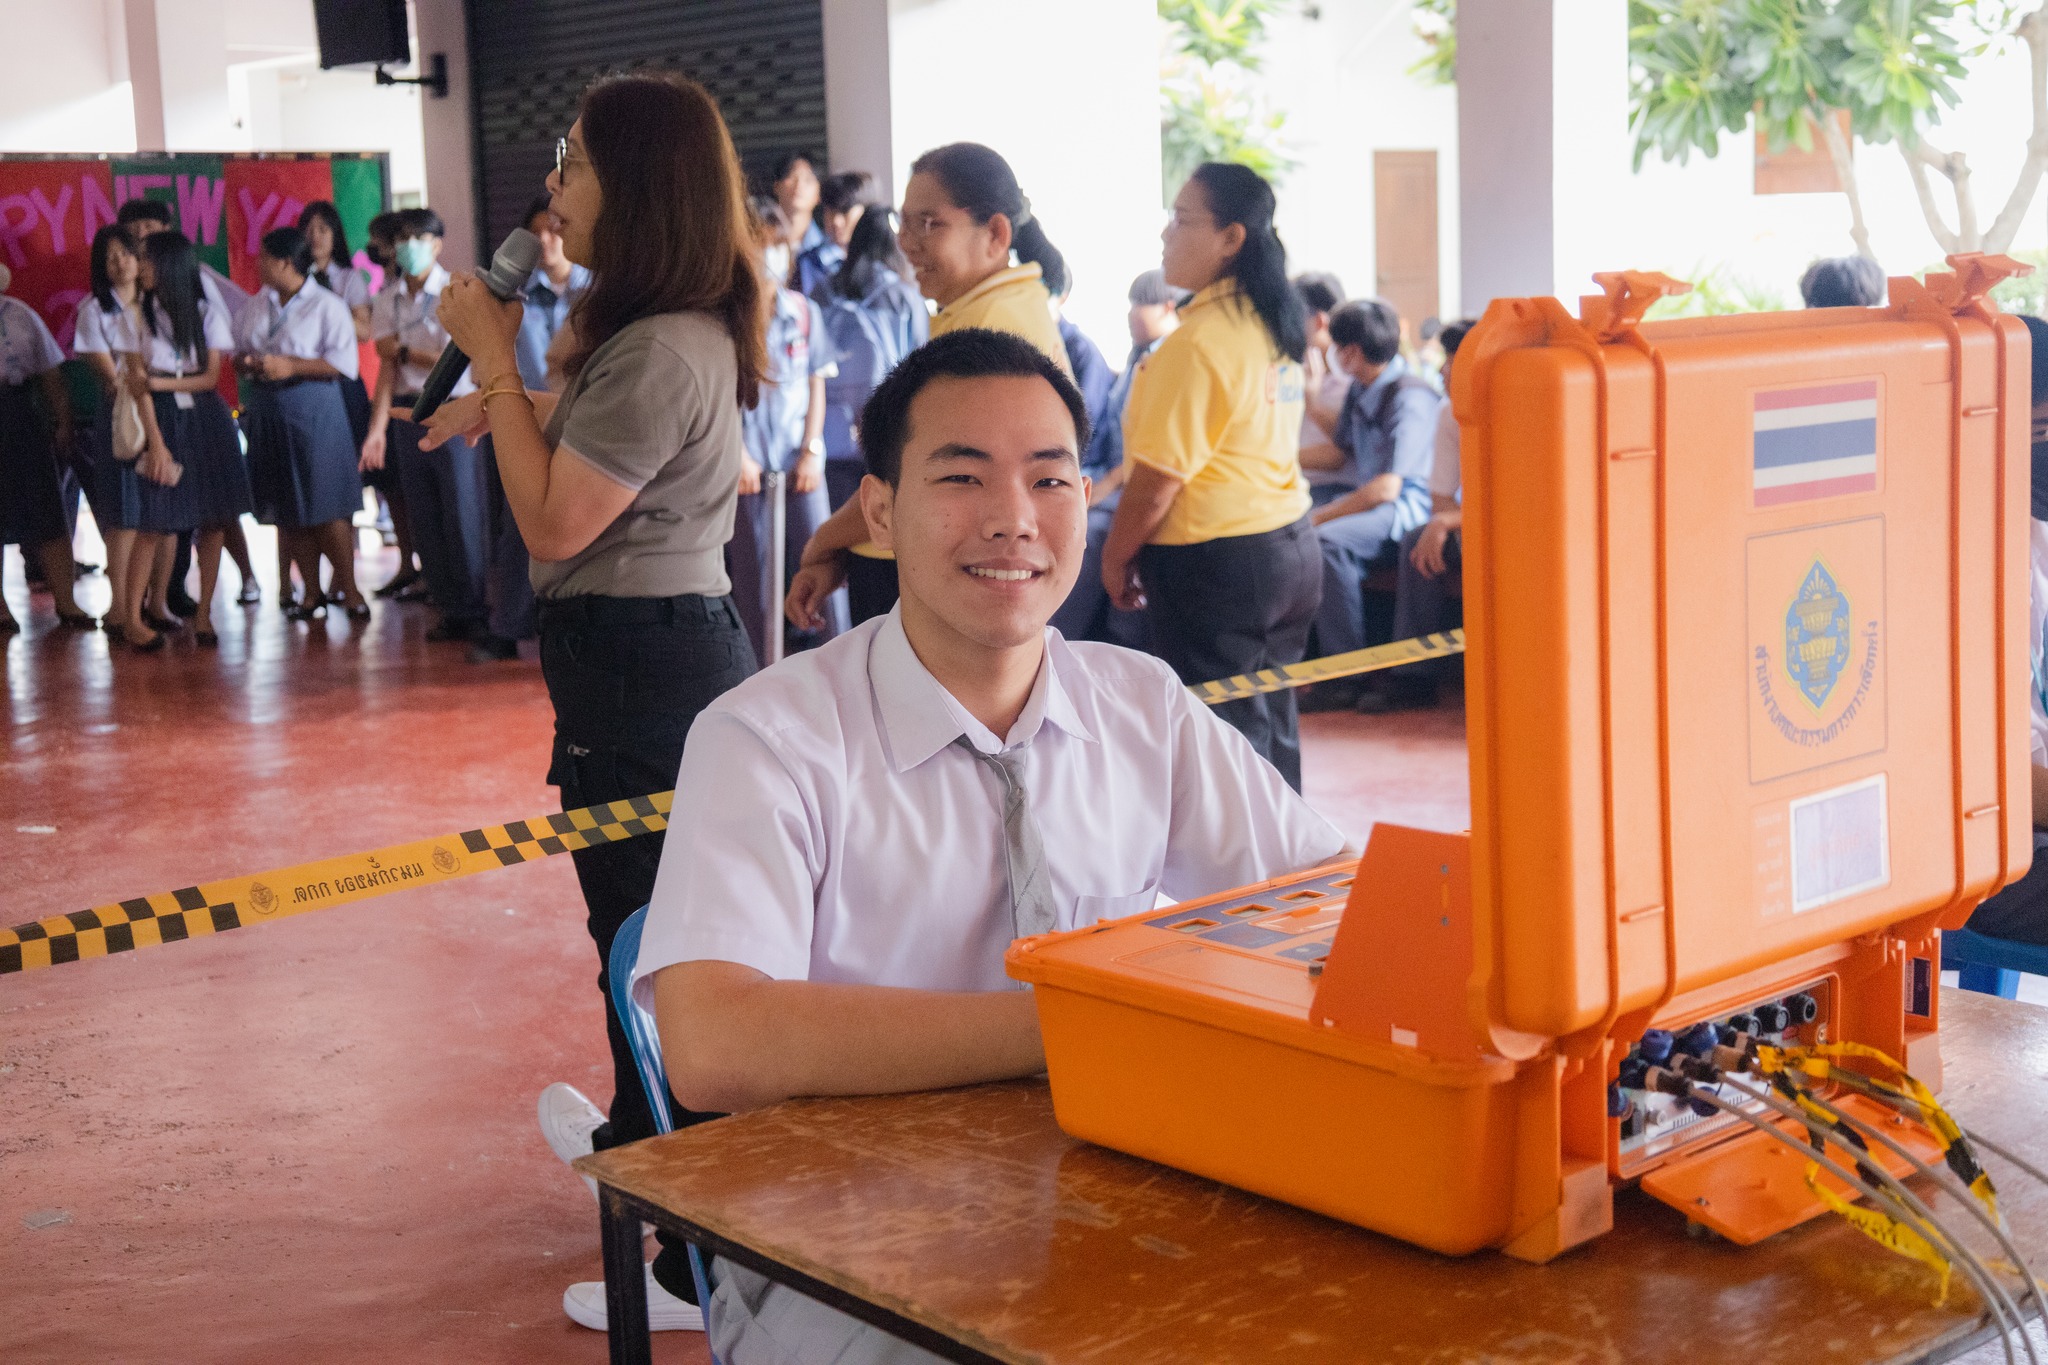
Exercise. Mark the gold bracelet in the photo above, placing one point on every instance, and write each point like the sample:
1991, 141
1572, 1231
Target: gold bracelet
520, 392
509, 379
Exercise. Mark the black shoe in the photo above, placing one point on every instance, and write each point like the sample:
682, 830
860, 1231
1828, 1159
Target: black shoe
451, 631
251, 593
79, 571
397, 585
491, 649
181, 603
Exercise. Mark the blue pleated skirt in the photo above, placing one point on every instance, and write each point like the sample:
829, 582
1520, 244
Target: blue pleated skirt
302, 453
31, 488
214, 489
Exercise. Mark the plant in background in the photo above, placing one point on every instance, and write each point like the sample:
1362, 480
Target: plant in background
1703, 67
1436, 25
1208, 109
1716, 291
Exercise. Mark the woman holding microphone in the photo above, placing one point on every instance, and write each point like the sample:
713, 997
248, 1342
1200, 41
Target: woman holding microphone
625, 491
1212, 532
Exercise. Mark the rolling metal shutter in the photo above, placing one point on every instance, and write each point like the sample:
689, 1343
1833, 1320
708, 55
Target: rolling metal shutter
764, 61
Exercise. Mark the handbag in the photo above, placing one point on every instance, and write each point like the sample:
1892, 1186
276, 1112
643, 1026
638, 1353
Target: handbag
130, 436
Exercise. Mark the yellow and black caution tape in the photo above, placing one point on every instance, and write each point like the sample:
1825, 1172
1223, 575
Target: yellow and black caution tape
1331, 667
215, 907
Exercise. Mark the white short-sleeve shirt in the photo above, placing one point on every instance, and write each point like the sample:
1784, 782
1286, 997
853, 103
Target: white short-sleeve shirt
827, 828
103, 333
1446, 479
415, 319
352, 284
26, 347
313, 324
161, 354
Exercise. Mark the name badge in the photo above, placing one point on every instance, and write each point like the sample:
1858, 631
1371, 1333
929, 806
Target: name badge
182, 399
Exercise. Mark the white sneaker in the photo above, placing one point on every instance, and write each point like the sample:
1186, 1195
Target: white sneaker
567, 1119
584, 1303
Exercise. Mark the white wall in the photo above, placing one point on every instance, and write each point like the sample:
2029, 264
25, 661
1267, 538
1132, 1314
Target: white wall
1341, 80
1068, 92
74, 95
857, 117
444, 126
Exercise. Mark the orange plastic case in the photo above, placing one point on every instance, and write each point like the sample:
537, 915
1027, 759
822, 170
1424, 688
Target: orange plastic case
1746, 666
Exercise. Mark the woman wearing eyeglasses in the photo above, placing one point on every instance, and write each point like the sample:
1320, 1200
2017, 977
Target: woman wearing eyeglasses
624, 490
964, 218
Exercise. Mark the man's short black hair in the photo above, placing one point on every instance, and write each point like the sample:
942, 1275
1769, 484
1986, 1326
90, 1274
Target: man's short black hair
1371, 325
419, 223
972, 353
1843, 282
1320, 291
144, 211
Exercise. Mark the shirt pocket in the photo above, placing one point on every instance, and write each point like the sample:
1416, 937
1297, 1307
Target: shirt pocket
1094, 909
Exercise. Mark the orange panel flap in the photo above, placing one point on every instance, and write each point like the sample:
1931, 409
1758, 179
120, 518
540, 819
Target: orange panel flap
1401, 966
1751, 1187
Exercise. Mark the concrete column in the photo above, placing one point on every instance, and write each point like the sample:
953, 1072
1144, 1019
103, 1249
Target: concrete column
138, 61
1543, 145
438, 26
857, 90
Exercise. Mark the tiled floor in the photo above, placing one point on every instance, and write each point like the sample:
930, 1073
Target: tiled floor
314, 1140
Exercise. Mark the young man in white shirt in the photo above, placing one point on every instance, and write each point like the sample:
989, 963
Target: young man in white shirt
847, 859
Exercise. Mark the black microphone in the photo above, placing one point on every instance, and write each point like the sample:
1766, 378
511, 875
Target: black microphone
510, 269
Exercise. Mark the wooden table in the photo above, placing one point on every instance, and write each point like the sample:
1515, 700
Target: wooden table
965, 1221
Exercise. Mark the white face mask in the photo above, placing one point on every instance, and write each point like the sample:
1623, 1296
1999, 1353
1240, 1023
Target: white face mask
776, 259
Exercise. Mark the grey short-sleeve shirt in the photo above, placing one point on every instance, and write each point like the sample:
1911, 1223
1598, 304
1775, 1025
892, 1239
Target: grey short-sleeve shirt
656, 409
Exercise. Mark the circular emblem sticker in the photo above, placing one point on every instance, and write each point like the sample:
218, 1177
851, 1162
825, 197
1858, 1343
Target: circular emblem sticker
261, 898
446, 863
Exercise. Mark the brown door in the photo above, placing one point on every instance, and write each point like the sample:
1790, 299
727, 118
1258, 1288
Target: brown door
1404, 234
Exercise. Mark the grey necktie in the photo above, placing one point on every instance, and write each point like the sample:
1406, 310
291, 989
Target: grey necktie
1031, 902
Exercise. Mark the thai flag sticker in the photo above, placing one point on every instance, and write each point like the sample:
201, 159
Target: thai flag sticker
1818, 442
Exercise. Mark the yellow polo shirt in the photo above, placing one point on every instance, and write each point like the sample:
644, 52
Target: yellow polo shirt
1012, 300
1217, 407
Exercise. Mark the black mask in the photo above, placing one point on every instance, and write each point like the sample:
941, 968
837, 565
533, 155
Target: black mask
2040, 481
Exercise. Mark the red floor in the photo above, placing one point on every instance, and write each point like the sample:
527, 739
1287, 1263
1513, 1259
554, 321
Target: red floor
315, 1140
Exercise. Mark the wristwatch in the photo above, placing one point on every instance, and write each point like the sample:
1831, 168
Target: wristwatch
815, 446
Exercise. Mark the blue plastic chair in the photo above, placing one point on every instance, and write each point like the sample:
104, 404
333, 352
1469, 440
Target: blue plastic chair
1991, 965
646, 1045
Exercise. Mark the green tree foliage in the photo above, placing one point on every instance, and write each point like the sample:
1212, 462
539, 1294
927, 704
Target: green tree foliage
1208, 111
1701, 68
1436, 25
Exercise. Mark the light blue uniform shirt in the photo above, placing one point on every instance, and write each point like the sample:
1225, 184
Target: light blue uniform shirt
798, 348
1404, 443
313, 324
546, 313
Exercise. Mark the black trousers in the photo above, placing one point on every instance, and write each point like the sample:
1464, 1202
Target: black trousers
2020, 912
1237, 605
627, 676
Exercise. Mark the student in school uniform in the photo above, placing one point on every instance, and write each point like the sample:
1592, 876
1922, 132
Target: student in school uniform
380, 245
1330, 472
875, 317
108, 338
297, 348
193, 479
334, 270
840, 206
794, 179
1431, 560
1387, 431
549, 298
843, 871
784, 433
964, 217
32, 511
141, 218
444, 488
1088, 614
1211, 532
